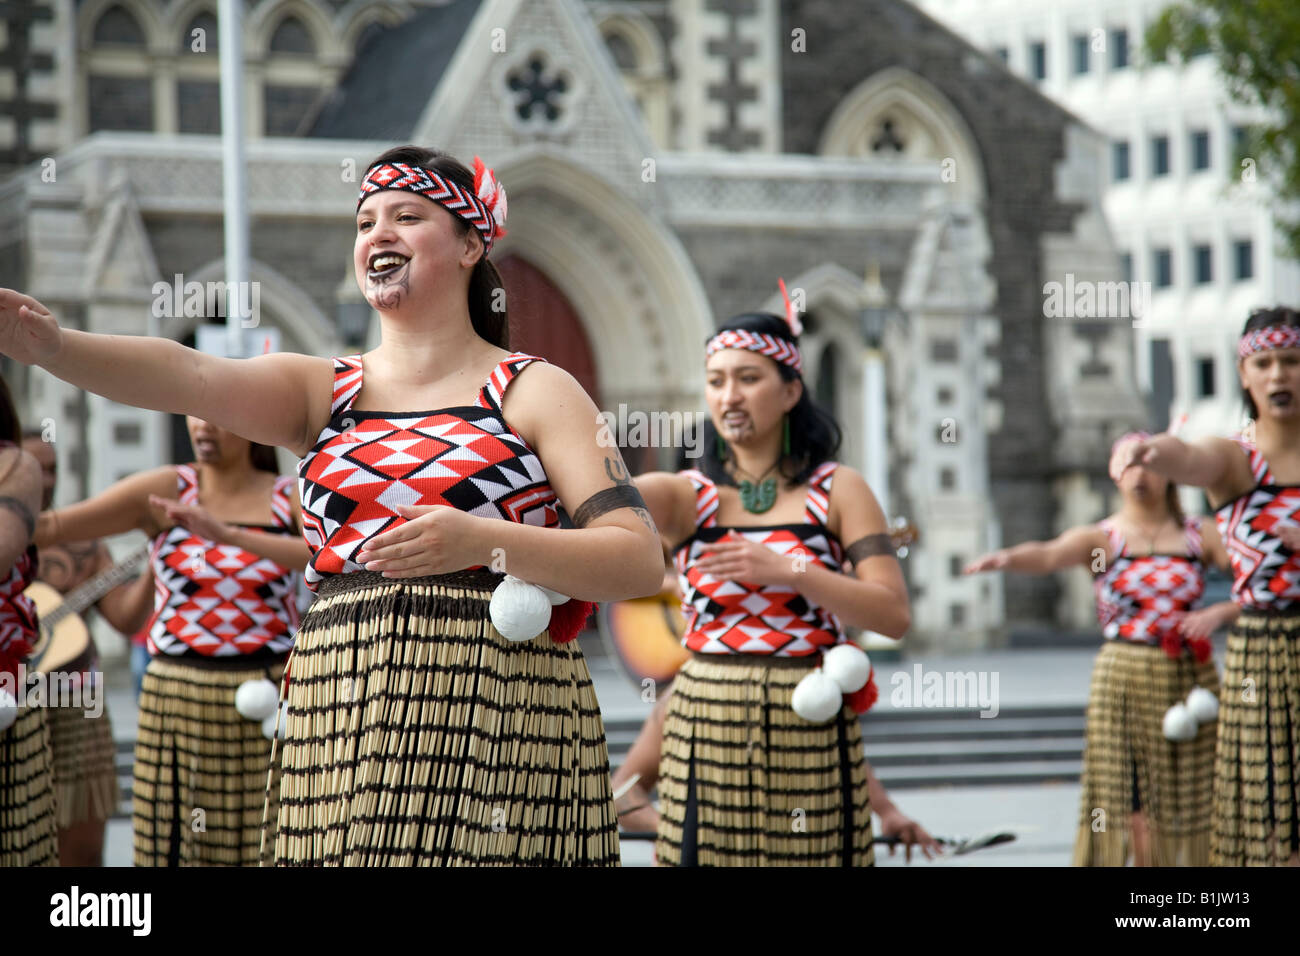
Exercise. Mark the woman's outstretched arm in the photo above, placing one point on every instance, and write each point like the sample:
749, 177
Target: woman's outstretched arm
272, 399
1085, 545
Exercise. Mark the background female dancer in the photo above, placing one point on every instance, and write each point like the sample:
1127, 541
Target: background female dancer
504, 758
1254, 488
85, 771
1141, 792
28, 821
743, 779
226, 545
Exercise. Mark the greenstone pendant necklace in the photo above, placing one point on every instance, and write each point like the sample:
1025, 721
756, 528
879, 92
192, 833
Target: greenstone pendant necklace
758, 497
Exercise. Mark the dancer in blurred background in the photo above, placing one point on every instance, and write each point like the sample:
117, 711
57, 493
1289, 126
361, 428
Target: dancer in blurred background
1143, 795
226, 546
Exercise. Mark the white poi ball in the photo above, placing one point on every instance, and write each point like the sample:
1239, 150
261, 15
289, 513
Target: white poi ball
269, 730
847, 665
1179, 724
8, 710
817, 698
1203, 705
519, 610
555, 597
256, 699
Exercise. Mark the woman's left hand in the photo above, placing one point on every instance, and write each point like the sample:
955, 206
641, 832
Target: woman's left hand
736, 558
1204, 622
436, 539
193, 519
909, 833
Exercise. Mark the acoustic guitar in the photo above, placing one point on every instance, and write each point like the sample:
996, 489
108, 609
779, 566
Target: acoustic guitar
64, 643
645, 634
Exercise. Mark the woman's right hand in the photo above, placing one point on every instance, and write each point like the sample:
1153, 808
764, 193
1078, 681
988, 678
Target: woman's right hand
996, 561
28, 332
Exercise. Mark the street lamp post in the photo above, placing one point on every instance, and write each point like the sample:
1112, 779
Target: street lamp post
234, 182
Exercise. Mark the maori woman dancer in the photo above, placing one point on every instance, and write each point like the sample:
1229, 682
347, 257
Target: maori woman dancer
225, 549
756, 534
417, 733
1254, 487
1143, 793
28, 822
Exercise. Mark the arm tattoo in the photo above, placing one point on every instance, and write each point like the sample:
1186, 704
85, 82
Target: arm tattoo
20, 508
870, 546
603, 502
623, 495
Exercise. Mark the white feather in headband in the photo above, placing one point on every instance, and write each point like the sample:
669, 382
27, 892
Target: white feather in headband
492, 193
791, 313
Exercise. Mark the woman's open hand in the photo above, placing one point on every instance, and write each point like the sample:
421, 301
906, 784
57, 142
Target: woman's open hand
28, 332
736, 558
436, 539
193, 519
995, 561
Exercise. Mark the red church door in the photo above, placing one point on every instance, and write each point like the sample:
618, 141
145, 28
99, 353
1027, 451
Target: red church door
543, 322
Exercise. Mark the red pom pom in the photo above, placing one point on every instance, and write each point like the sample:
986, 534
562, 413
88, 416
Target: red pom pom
568, 619
865, 697
1200, 648
1172, 643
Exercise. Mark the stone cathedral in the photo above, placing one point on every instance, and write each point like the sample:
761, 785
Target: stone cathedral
666, 162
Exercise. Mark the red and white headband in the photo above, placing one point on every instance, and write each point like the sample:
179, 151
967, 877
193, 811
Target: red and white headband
484, 209
773, 346
1269, 337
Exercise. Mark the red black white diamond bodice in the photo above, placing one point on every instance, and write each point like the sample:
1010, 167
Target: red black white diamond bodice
1142, 598
18, 628
1266, 574
218, 600
365, 463
734, 617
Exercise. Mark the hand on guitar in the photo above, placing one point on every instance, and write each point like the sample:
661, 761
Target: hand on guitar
193, 519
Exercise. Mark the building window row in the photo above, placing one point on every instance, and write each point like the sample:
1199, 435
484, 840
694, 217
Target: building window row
1198, 154
1088, 52
1200, 262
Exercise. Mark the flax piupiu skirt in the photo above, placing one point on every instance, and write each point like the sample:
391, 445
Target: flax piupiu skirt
1129, 764
85, 773
201, 768
29, 833
1257, 765
745, 781
419, 736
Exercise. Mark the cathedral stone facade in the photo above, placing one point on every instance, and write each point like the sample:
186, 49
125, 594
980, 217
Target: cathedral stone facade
666, 162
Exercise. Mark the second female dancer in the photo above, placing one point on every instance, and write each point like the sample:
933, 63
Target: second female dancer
1142, 794
417, 733
226, 545
756, 534
1254, 486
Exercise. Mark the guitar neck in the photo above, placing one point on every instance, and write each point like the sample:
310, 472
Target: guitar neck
83, 596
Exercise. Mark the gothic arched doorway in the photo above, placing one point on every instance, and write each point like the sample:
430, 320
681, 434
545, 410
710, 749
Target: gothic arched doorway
543, 322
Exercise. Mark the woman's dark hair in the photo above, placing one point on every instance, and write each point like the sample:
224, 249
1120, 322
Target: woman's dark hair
1261, 319
487, 306
814, 434
11, 430
263, 457
1174, 505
